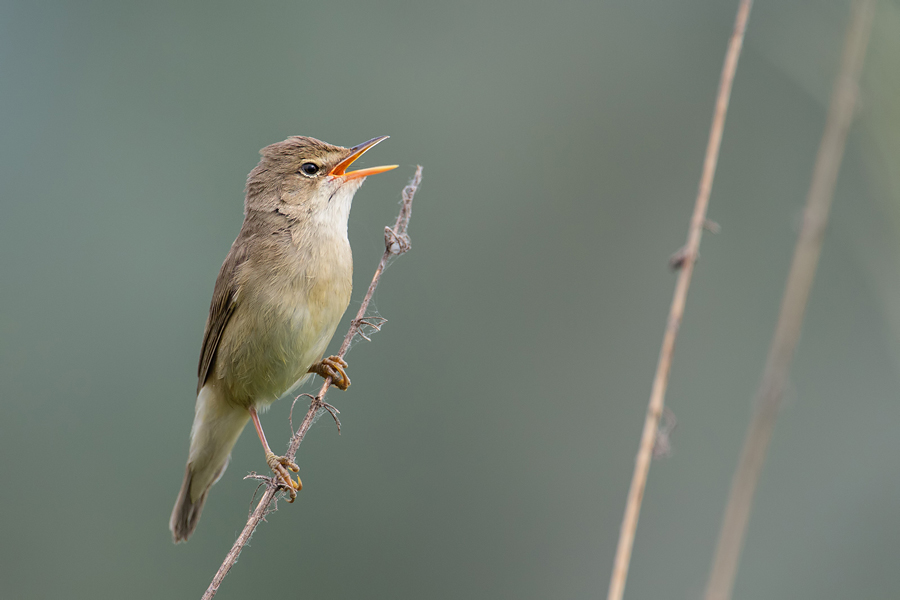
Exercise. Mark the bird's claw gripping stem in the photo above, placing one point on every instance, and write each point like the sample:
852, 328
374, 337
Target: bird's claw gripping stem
333, 367
280, 466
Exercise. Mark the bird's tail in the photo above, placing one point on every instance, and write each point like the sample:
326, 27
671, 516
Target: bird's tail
217, 426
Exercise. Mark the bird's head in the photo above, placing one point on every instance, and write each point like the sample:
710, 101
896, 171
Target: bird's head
304, 178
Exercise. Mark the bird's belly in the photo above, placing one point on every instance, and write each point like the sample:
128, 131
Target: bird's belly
276, 341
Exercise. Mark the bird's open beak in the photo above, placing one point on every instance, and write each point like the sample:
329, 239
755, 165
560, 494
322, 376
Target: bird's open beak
340, 169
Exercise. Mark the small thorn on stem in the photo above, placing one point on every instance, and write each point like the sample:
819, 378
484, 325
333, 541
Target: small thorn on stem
333, 412
662, 446
396, 243
677, 260
291, 414
373, 322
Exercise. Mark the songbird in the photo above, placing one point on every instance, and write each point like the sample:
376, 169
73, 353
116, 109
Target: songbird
278, 299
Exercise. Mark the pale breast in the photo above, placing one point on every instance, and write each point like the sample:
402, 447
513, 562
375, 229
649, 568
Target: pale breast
290, 301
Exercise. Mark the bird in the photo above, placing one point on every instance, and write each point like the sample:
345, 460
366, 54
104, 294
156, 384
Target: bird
277, 301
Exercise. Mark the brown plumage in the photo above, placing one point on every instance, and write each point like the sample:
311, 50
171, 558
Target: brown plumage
276, 304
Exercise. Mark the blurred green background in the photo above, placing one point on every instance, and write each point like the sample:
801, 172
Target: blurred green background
490, 433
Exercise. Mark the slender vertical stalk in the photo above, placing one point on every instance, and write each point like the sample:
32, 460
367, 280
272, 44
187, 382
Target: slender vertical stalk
396, 242
676, 312
793, 304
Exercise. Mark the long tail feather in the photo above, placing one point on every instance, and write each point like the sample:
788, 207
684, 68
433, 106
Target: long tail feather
217, 426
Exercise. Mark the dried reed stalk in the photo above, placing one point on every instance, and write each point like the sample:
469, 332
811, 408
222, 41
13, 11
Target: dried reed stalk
686, 259
793, 304
396, 242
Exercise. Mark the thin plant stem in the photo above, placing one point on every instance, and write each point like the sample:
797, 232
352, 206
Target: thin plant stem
793, 304
687, 258
396, 242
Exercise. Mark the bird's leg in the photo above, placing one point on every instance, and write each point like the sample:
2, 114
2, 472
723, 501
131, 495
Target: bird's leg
333, 367
278, 464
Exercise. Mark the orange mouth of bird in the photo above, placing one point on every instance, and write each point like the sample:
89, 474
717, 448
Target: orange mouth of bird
340, 169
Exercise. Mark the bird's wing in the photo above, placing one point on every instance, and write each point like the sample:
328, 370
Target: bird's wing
221, 308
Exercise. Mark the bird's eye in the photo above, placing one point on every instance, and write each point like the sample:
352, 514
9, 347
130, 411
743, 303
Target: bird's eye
309, 169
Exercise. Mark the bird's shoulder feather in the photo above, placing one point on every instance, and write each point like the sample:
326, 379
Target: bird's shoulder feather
224, 301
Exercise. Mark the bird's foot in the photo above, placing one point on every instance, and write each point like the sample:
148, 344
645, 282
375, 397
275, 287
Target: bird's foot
280, 466
333, 367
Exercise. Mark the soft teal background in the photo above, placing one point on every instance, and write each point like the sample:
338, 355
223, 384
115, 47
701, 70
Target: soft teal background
490, 432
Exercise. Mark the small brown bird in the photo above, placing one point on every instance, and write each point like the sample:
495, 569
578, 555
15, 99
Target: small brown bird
279, 296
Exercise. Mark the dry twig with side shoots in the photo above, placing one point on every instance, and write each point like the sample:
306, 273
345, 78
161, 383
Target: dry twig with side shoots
793, 304
396, 242
686, 259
